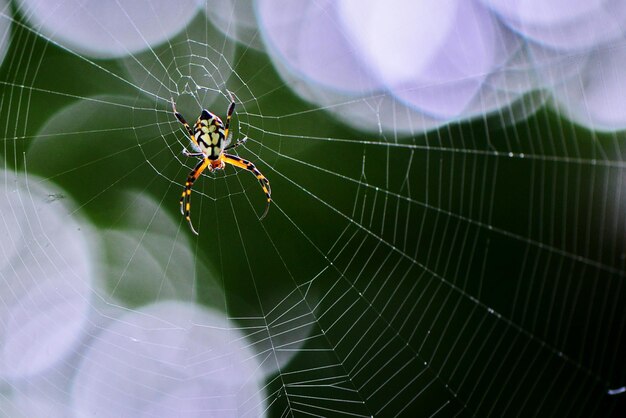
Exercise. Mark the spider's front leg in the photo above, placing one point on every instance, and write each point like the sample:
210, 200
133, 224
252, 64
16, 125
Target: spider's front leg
182, 120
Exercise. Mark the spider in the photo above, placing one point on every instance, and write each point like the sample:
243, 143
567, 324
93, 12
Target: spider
210, 138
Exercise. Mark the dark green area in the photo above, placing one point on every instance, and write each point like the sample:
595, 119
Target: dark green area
503, 274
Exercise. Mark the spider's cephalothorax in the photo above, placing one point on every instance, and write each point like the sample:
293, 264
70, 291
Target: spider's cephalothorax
210, 137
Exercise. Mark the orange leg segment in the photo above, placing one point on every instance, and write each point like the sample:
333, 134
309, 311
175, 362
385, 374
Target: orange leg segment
247, 165
185, 199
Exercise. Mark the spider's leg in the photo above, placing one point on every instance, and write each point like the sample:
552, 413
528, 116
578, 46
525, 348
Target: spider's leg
182, 120
185, 199
186, 153
236, 144
247, 165
229, 115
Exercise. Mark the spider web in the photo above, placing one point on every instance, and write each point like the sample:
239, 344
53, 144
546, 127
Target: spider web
473, 269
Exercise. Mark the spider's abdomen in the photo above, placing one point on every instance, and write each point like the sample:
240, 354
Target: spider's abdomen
209, 133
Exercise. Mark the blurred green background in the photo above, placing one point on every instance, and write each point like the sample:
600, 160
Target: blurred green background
476, 266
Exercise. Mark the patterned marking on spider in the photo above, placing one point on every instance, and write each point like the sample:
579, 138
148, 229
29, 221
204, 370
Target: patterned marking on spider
210, 137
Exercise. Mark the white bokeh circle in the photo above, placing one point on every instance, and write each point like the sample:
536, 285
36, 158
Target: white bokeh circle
107, 29
595, 98
5, 28
235, 19
568, 25
46, 274
403, 67
170, 359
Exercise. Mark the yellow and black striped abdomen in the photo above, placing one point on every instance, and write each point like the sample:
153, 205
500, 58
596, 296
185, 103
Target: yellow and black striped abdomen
209, 133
